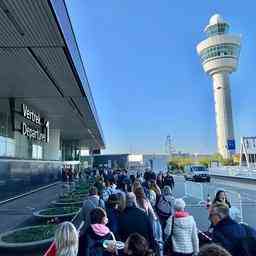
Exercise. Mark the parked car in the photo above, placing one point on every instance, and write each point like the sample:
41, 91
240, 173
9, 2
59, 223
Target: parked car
197, 173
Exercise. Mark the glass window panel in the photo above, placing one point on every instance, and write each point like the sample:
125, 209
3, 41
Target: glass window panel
37, 152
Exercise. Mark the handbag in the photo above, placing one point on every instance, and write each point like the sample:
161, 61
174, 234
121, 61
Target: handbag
168, 246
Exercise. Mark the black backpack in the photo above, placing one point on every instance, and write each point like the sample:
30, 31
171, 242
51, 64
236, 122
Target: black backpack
163, 207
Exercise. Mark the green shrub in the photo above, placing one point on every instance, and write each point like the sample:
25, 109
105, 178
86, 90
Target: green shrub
59, 210
33, 234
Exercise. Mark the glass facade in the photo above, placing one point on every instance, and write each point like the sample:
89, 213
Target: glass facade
218, 51
7, 143
15, 144
37, 151
70, 151
217, 29
7, 147
17, 177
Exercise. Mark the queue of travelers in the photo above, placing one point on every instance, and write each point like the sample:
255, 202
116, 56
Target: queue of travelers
69, 173
145, 215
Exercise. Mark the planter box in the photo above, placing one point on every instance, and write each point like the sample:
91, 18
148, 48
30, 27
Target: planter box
25, 246
42, 213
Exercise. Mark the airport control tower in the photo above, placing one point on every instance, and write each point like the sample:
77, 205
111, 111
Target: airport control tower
219, 54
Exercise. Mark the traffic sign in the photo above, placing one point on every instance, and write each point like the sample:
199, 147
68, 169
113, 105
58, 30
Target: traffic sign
231, 145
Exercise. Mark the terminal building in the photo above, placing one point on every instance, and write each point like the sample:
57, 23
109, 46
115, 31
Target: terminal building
132, 162
47, 112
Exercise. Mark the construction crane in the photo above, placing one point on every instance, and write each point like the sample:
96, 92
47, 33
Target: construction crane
169, 147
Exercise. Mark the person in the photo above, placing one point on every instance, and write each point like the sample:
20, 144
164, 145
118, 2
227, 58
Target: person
121, 201
90, 203
159, 180
124, 183
134, 220
164, 205
181, 230
221, 197
152, 197
99, 184
132, 178
96, 233
238, 239
146, 183
213, 250
135, 185
143, 203
169, 180
63, 175
137, 245
153, 186
113, 213
66, 240
110, 187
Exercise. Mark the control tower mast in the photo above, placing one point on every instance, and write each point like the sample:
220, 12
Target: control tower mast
219, 54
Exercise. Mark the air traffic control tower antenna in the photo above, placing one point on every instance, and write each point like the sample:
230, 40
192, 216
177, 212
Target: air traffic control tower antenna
219, 54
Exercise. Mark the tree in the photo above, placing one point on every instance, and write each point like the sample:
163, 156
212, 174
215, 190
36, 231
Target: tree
180, 162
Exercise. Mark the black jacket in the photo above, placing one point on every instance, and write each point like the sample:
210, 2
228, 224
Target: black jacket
113, 217
94, 243
134, 220
227, 233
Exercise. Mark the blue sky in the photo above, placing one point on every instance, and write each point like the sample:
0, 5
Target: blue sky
146, 77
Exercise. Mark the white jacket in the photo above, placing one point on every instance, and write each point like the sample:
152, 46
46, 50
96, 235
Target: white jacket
184, 238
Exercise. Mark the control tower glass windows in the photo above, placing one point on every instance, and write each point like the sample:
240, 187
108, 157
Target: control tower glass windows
219, 51
217, 29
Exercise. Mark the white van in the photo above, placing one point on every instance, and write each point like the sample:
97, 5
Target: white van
197, 173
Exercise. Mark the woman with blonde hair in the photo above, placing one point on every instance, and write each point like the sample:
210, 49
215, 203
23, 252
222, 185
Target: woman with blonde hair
66, 240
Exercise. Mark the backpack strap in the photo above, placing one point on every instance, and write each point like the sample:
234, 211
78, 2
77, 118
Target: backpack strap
172, 226
163, 198
170, 204
92, 203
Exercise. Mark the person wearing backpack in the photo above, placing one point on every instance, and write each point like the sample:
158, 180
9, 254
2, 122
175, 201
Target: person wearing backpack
238, 239
89, 204
164, 205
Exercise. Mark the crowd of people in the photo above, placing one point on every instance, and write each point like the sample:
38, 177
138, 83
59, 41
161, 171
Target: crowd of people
69, 173
144, 214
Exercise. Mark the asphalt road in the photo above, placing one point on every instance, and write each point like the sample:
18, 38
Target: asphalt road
241, 195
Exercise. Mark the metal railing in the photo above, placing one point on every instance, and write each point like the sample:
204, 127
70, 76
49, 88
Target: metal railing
234, 171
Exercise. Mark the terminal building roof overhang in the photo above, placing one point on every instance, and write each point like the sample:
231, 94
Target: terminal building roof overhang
41, 66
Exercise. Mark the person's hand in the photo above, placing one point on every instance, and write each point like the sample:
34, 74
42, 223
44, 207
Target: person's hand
111, 247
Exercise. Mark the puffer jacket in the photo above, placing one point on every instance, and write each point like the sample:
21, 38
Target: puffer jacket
184, 239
